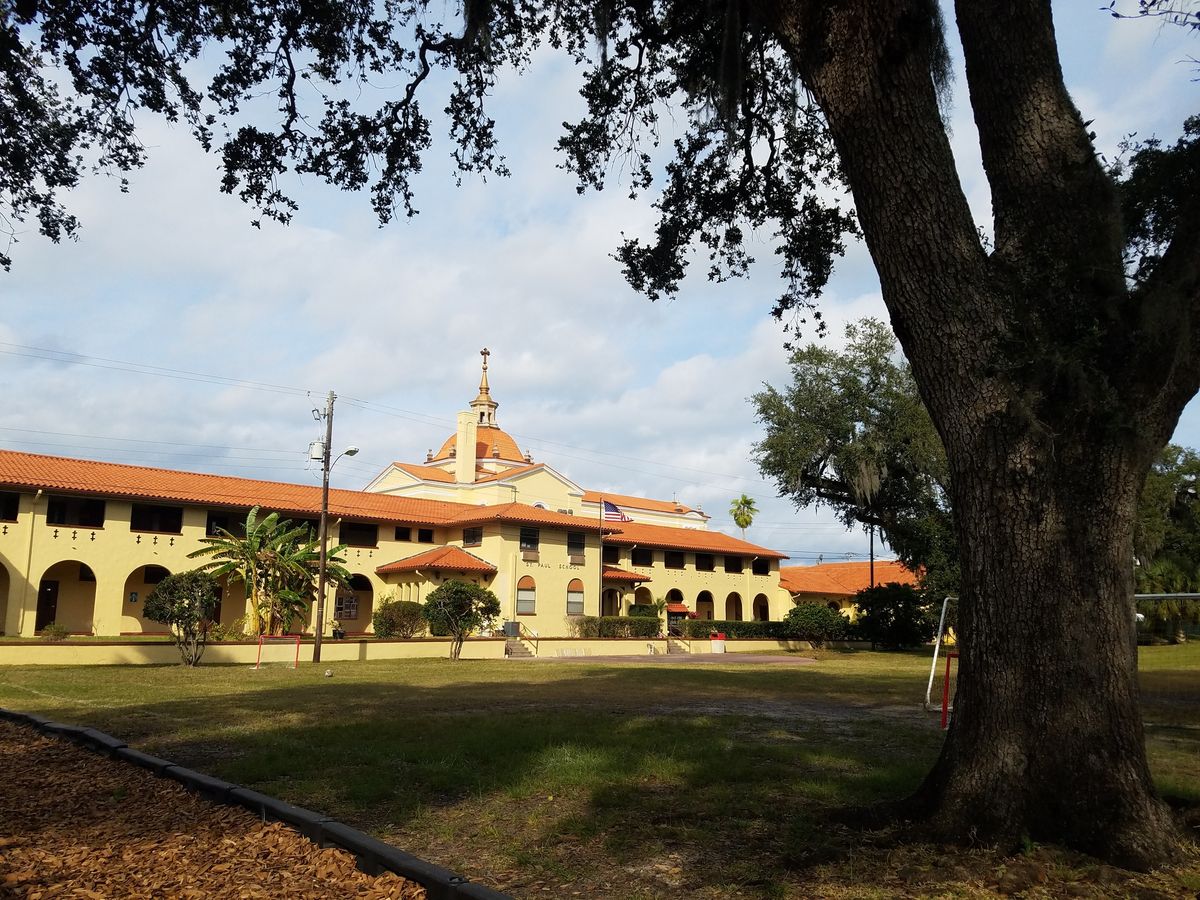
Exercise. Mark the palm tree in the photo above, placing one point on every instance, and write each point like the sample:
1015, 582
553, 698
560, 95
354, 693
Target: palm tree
277, 561
743, 511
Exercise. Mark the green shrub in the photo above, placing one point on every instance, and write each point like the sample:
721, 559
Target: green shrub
458, 608
732, 629
894, 615
186, 602
54, 632
626, 627
643, 611
399, 618
815, 622
234, 631
584, 626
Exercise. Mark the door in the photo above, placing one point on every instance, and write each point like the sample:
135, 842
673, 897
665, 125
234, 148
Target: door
47, 607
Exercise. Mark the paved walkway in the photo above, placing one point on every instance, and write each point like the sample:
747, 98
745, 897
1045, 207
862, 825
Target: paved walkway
683, 659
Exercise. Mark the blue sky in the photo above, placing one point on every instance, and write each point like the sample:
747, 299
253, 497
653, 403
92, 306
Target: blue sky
615, 392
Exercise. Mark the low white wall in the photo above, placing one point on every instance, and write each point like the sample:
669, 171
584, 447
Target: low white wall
104, 653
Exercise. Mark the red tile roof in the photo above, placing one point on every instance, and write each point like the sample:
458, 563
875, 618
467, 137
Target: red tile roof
80, 476
842, 579
484, 475
426, 473
454, 559
677, 608
525, 515
487, 438
631, 533
639, 503
611, 574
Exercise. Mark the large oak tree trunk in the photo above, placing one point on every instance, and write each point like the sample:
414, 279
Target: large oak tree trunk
1026, 358
1046, 740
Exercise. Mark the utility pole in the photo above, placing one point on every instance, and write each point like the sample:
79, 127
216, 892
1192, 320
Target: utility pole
323, 529
872, 530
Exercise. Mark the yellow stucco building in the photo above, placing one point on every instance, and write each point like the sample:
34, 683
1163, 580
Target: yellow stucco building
83, 542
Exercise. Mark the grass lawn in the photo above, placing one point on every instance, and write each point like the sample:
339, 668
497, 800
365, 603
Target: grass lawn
624, 781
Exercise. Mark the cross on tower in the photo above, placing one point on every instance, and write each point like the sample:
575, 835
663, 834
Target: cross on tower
485, 353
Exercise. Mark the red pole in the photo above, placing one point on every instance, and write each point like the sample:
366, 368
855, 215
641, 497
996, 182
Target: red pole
946, 692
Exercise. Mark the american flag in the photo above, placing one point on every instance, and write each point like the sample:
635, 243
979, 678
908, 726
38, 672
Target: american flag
612, 513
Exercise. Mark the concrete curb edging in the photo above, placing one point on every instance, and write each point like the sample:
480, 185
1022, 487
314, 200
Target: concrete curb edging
372, 855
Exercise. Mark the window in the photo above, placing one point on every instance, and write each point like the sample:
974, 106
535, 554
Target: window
154, 574
424, 535
529, 539
472, 537
575, 598
164, 519
760, 566
575, 543
612, 555
733, 564
217, 523
674, 559
345, 608
704, 562
78, 511
526, 598
641, 557
403, 533
358, 534
313, 525
9, 503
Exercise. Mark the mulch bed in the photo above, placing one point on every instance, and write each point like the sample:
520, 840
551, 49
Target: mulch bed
75, 824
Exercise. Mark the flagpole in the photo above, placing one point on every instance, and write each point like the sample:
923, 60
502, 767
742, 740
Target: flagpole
601, 575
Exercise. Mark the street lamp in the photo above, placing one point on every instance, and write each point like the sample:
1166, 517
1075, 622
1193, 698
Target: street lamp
323, 537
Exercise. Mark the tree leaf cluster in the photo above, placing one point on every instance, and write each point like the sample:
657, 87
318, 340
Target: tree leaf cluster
187, 602
456, 608
850, 432
277, 561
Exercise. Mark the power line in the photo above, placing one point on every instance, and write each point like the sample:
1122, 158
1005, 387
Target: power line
120, 365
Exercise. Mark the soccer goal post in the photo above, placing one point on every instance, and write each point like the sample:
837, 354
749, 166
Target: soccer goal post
943, 697
278, 649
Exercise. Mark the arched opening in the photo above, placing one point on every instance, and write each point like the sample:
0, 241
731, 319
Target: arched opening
575, 598
67, 597
762, 608
704, 605
643, 596
610, 602
733, 607
834, 605
526, 597
353, 605
674, 595
5, 587
138, 585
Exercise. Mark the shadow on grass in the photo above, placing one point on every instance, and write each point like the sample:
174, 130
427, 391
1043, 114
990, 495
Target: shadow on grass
573, 779
621, 781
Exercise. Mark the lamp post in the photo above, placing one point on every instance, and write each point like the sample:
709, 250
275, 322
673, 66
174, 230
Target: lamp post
323, 530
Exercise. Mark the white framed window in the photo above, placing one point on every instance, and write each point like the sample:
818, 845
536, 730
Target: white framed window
575, 598
526, 597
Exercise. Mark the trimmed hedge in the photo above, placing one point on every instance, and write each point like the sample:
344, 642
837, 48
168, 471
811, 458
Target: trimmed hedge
816, 623
399, 618
615, 627
808, 622
643, 611
702, 628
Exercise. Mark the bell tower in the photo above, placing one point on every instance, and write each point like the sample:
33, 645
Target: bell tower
483, 406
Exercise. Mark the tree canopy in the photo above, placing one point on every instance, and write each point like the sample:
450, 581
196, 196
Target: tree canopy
457, 608
1054, 357
850, 431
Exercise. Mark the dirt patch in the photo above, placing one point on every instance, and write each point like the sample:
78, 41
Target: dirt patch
75, 824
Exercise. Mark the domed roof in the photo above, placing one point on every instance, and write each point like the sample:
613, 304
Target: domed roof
487, 439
